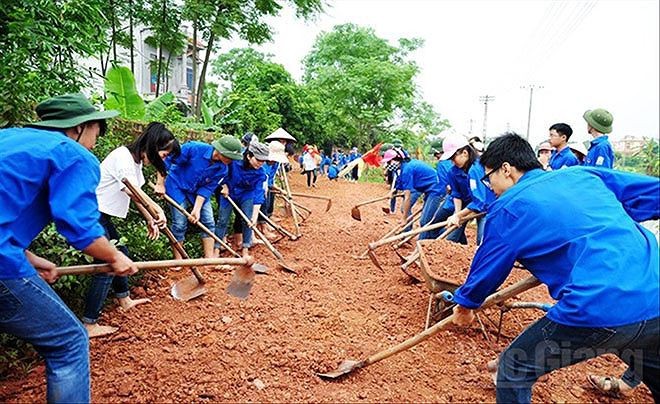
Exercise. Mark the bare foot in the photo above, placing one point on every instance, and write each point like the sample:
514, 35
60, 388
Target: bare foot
95, 330
127, 303
223, 268
176, 269
245, 252
257, 241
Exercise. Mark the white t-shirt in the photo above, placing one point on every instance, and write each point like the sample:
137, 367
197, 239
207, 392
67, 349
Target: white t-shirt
308, 162
118, 165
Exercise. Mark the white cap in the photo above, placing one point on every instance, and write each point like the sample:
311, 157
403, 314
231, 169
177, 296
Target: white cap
451, 144
276, 152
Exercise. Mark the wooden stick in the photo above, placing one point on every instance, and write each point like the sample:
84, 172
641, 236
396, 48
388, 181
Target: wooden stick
104, 268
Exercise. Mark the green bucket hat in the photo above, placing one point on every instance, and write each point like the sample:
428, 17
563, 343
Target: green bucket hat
599, 119
436, 147
68, 111
229, 147
397, 143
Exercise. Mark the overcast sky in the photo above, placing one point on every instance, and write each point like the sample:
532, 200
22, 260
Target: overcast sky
585, 55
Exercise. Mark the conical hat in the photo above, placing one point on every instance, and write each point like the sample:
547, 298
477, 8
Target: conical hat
280, 134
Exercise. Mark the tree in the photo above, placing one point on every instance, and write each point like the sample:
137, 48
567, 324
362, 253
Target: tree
367, 86
226, 18
42, 42
261, 96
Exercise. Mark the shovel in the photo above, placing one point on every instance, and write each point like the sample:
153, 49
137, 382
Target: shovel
185, 289
355, 210
280, 258
348, 366
258, 268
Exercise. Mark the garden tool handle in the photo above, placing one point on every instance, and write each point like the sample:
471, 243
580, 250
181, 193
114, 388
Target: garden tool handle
254, 229
199, 224
168, 233
162, 264
496, 298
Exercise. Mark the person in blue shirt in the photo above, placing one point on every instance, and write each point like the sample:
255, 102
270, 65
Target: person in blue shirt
562, 156
599, 124
276, 156
469, 193
333, 170
597, 261
443, 170
246, 185
49, 175
418, 176
192, 177
325, 163
352, 156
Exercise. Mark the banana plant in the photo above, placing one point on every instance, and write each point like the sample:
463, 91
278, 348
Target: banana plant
121, 93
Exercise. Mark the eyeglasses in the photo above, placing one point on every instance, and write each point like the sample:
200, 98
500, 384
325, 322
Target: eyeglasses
486, 178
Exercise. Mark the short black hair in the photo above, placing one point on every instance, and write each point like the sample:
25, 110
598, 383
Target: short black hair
155, 137
512, 149
562, 129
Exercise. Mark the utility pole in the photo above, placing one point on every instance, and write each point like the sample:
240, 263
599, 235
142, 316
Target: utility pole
485, 99
529, 113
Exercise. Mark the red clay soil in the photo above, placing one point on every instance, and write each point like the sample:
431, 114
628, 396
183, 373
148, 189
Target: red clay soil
268, 348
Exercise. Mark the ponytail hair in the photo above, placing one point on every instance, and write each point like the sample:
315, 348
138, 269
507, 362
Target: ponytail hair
155, 138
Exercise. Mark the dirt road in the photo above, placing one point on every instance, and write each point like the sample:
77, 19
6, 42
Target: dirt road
267, 348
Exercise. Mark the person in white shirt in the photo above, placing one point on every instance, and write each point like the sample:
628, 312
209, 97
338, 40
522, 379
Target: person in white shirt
151, 147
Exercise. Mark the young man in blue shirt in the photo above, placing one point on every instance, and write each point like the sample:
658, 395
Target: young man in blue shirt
599, 124
48, 174
562, 156
596, 260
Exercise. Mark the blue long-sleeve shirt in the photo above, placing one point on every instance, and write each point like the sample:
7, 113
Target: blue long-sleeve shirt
45, 176
246, 183
442, 169
564, 158
600, 153
459, 182
193, 173
418, 176
596, 260
271, 172
482, 196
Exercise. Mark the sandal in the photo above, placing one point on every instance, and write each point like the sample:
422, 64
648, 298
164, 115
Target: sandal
606, 384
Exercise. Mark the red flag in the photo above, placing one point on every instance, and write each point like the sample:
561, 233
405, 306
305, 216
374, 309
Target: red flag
372, 157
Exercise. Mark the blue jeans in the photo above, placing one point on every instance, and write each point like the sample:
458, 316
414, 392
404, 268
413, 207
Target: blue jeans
224, 214
100, 286
414, 196
429, 214
267, 207
180, 221
32, 311
545, 346
458, 235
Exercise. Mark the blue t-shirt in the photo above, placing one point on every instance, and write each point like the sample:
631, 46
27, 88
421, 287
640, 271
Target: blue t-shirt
418, 176
442, 169
333, 171
460, 185
193, 173
246, 183
596, 260
482, 196
271, 172
600, 153
564, 158
44, 176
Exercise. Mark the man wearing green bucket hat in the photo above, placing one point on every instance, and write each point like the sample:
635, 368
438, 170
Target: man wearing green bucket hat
192, 178
48, 174
599, 124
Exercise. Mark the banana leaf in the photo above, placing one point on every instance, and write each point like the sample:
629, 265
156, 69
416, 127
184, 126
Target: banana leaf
121, 93
207, 115
156, 107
